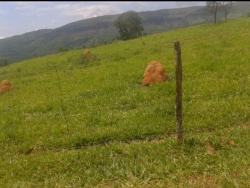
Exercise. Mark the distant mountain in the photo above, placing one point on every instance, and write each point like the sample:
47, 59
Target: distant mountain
100, 30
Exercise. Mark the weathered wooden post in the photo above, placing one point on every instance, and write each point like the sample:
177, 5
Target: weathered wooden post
178, 73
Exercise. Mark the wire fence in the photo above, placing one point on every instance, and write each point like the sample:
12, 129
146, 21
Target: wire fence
168, 44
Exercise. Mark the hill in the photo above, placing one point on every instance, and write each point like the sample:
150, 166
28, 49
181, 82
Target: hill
72, 123
100, 30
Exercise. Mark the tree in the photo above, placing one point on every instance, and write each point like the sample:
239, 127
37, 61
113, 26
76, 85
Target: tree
226, 5
214, 7
62, 49
129, 25
4, 62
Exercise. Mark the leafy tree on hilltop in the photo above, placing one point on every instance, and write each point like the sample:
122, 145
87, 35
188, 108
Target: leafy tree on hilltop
129, 25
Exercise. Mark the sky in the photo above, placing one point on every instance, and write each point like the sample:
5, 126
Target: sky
17, 17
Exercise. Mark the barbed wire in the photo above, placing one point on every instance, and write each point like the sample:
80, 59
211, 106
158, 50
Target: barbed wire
217, 36
168, 44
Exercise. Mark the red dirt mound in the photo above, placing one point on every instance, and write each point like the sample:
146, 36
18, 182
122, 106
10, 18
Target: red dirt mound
87, 54
5, 86
154, 73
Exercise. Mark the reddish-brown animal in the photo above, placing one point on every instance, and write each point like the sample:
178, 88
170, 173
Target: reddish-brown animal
5, 86
154, 73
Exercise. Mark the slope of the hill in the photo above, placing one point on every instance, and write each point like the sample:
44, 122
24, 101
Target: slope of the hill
68, 122
100, 30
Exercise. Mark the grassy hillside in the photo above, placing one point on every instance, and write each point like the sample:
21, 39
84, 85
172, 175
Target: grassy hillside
100, 30
69, 122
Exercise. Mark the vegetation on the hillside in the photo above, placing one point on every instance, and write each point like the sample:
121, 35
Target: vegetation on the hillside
74, 123
129, 25
4, 62
100, 30
62, 49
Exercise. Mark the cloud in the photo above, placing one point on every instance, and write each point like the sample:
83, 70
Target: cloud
78, 10
2, 12
3, 32
3, 28
182, 4
23, 16
89, 11
34, 8
28, 5
83, 10
22, 5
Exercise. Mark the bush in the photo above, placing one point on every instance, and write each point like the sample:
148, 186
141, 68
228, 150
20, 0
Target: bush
62, 49
4, 62
129, 25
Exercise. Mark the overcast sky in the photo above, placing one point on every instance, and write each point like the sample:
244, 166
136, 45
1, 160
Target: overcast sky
20, 16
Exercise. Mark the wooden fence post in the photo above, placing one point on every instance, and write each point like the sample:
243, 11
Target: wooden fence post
178, 73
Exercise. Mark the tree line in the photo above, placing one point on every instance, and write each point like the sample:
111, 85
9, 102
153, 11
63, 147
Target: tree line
217, 6
129, 24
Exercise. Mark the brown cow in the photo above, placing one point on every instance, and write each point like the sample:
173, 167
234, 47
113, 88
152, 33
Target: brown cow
154, 73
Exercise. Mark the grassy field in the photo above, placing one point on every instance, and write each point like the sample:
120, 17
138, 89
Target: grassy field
73, 123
